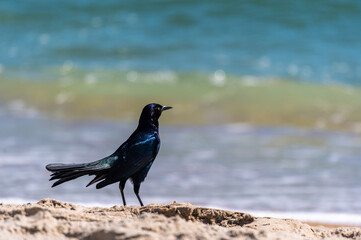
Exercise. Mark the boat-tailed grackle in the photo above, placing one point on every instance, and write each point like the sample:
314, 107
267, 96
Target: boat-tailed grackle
132, 160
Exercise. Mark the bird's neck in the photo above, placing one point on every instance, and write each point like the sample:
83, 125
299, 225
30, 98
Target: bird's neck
148, 124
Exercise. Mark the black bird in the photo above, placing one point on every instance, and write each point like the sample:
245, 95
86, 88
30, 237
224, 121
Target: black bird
132, 159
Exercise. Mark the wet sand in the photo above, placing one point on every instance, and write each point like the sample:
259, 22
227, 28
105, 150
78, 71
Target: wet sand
52, 219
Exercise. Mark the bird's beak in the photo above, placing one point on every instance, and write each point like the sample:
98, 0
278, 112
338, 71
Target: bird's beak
166, 108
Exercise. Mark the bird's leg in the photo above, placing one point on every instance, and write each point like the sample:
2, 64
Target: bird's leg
121, 188
136, 191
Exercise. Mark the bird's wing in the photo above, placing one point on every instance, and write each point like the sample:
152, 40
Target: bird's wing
104, 163
135, 154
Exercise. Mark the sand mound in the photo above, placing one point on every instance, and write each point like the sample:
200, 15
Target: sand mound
52, 219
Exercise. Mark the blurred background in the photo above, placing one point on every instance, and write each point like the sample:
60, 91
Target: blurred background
266, 97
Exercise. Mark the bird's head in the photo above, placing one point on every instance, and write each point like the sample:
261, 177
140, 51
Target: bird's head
152, 112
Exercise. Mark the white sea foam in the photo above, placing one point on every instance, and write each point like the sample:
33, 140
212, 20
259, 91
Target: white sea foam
317, 217
337, 218
16, 201
219, 78
19, 107
239, 127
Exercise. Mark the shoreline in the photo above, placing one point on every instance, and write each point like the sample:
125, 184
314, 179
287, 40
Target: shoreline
329, 219
310, 218
328, 225
50, 219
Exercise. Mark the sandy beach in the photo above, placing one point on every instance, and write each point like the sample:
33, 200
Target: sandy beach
52, 219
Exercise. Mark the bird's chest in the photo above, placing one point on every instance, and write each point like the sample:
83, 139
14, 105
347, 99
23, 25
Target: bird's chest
145, 147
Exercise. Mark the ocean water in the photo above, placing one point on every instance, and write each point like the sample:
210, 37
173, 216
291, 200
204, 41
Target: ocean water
315, 41
68, 67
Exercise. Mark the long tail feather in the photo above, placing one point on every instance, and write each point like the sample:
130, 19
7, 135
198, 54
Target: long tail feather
62, 180
103, 183
63, 167
67, 172
97, 179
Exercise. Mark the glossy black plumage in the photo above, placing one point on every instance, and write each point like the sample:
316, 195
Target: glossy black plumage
132, 160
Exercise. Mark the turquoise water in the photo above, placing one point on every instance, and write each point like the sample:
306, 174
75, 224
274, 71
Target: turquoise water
305, 40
